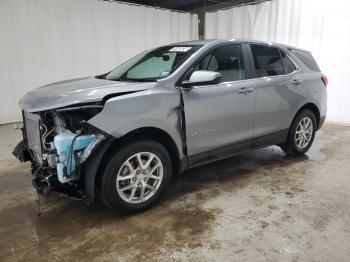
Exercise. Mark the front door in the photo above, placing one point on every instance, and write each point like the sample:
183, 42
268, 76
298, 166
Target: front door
220, 118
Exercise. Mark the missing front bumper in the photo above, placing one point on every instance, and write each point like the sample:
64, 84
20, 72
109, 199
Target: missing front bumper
21, 152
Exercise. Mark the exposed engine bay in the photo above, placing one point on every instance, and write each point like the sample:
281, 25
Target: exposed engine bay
58, 142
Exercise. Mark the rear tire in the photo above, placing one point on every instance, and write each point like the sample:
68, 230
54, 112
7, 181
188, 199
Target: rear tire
136, 176
301, 134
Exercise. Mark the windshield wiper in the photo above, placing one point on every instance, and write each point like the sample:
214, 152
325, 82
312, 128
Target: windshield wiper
133, 79
141, 79
101, 76
144, 80
117, 79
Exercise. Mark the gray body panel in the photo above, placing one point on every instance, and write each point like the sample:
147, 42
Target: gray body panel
279, 99
215, 116
218, 115
76, 91
156, 108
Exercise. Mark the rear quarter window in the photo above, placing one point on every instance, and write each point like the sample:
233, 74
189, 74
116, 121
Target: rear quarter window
306, 58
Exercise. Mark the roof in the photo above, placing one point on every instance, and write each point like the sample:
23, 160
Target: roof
292, 47
237, 40
197, 42
206, 41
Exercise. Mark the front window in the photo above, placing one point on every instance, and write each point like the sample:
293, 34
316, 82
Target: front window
227, 60
153, 65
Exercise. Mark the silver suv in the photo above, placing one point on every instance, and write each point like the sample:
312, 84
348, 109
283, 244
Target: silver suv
123, 135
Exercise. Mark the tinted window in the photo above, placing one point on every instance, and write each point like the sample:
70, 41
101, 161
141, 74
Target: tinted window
227, 60
267, 60
288, 65
306, 58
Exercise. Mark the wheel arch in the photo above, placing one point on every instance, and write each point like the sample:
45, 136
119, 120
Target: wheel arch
288, 147
95, 165
314, 109
155, 134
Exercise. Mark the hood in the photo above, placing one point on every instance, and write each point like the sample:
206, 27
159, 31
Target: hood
76, 91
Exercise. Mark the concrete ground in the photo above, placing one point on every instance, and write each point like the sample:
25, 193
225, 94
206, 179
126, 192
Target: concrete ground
260, 206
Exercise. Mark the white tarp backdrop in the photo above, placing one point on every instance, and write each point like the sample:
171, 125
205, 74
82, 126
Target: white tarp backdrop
44, 41
321, 26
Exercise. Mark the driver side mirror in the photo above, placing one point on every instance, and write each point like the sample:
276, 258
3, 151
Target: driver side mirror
202, 77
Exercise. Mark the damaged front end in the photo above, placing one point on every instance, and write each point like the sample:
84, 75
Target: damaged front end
58, 143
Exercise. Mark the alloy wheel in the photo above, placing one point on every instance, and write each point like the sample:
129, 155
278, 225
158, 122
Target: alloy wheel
140, 177
304, 132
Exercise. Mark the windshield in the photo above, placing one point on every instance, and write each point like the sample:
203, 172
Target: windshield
152, 65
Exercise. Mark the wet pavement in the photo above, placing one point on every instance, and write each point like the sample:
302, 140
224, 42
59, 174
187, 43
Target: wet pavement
259, 206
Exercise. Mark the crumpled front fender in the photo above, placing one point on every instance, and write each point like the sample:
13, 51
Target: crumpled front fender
92, 167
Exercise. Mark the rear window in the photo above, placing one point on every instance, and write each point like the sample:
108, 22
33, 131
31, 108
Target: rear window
270, 61
267, 60
306, 58
288, 65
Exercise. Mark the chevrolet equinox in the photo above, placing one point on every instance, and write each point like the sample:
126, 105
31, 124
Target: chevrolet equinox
121, 136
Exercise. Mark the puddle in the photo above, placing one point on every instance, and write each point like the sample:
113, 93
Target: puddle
293, 248
316, 152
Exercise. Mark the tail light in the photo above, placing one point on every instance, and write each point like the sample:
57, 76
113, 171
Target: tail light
324, 80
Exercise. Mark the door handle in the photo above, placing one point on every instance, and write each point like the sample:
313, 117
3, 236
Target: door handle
296, 82
244, 90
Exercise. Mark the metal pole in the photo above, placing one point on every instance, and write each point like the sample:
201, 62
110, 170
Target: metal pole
201, 20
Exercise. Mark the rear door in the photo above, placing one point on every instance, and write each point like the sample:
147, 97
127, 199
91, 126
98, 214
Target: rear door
276, 80
220, 118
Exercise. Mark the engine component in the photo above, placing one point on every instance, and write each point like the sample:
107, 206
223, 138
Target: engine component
91, 147
67, 144
51, 159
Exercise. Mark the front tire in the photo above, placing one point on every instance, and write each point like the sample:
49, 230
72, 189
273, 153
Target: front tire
136, 176
301, 133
